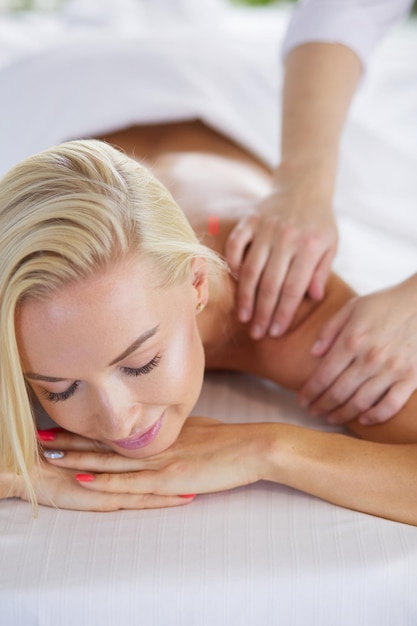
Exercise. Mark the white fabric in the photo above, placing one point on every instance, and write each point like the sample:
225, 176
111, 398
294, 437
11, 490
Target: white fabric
91, 69
358, 24
263, 554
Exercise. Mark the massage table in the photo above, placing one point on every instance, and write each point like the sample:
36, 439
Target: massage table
263, 554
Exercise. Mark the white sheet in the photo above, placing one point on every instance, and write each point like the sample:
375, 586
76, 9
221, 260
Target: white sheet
263, 554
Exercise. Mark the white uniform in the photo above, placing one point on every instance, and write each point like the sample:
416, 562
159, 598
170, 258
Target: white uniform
358, 24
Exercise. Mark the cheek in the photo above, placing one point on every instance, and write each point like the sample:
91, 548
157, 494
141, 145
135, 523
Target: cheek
56, 412
185, 364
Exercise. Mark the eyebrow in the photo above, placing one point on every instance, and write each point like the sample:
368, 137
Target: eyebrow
133, 346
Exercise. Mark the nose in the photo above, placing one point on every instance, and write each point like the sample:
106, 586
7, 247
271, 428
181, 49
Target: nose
117, 414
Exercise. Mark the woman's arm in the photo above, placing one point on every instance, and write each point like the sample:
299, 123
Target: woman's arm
375, 478
209, 456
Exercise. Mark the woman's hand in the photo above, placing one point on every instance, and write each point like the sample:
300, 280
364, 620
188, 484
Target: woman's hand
281, 252
369, 358
58, 486
208, 456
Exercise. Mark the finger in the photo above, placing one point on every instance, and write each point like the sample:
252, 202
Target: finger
389, 405
250, 273
267, 294
64, 440
365, 396
332, 329
321, 275
145, 483
94, 461
133, 483
95, 500
238, 240
167, 482
327, 372
355, 386
293, 290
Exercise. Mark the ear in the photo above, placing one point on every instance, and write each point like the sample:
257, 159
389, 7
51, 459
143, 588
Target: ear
199, 275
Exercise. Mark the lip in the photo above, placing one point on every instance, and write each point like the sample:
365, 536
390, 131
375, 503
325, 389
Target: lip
142, 440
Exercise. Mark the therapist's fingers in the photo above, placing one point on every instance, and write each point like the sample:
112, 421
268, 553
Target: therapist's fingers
267, 288
338, 355
374, 403
295, 285
332, 329
321, 275
247, 259
238, 240
248, 289
354, 391
344, 392
392, 402
362, 398
325, 374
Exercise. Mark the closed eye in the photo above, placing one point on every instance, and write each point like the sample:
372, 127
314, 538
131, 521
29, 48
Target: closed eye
145, 369
53, 396
61, 396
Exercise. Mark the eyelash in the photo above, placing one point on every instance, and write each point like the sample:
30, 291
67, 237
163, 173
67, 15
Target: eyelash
62, 395
145, 369
129, 371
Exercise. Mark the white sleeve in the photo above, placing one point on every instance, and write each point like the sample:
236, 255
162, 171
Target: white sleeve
358, 24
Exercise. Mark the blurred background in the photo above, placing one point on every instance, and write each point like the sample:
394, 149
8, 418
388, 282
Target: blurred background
54, 5
82, 68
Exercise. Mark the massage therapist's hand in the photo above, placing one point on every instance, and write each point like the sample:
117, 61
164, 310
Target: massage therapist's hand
281, 251
208, 456
58, 486
369, 358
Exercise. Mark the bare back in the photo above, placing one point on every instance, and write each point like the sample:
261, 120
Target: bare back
208, 175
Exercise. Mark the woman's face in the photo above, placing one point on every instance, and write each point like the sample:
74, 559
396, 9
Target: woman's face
115, 359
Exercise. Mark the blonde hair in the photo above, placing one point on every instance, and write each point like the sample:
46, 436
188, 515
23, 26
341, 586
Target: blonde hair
65, 214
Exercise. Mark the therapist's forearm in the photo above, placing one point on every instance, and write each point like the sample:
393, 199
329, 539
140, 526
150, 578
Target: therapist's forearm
320, 81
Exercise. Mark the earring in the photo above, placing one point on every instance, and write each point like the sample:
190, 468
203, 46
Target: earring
200, 306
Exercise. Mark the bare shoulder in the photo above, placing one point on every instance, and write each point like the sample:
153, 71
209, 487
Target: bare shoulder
285, 360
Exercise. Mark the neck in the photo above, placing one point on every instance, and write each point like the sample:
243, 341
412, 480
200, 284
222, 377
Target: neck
218, 324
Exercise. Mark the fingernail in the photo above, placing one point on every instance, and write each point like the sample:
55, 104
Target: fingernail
188, 495
46, 435
316, 347
244, 315
275, 330
53, 454
84, 478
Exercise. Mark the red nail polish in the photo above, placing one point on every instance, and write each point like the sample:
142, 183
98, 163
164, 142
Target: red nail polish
84, 478
188, 495
46, 435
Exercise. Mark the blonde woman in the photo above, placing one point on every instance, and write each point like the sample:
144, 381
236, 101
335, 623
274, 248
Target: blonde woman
113, 303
